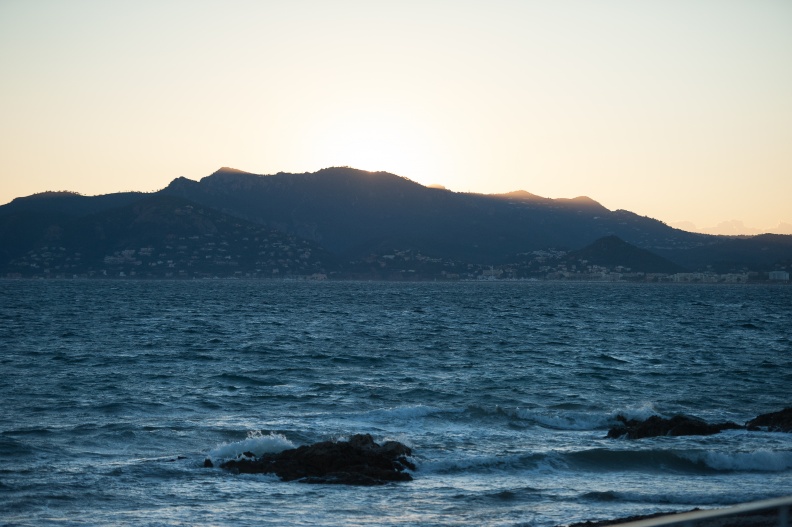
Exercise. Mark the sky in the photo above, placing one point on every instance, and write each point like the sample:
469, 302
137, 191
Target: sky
680, 110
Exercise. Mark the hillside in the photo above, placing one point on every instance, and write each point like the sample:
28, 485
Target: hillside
69, 203
352, 223
154, 237
611, 252
353, 213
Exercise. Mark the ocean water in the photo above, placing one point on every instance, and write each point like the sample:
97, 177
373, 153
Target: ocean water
114, 392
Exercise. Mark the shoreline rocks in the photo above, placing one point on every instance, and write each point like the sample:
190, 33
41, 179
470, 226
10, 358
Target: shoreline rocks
686, 425
358, 461
772, 422
750, 519
678, 425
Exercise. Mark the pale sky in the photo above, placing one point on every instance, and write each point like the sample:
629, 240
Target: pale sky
676, 109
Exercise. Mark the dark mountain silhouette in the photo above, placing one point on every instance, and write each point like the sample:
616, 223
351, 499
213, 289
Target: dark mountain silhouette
726, 253
580, 202
69, 203
349, 215
612, 251
353, 213
156, 236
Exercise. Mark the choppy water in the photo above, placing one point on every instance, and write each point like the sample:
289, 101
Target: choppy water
114, 393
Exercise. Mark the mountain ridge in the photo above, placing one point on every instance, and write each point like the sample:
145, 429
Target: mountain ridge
613, 252
358, 216
393, 206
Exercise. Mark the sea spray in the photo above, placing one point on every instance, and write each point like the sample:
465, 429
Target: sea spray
256, 443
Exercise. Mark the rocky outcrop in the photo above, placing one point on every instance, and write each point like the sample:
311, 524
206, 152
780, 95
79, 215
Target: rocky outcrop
773, 422
359, 461
768, 518
679, 425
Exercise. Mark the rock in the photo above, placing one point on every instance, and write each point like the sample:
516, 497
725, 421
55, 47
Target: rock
359, 461
679, 425
772, 422
768, 518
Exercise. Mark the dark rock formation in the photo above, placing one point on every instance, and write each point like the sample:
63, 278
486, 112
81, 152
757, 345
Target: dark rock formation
772, 422
767, 518
679, 425
359, 461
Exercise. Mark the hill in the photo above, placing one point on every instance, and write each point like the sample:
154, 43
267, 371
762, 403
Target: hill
69, 203
156, 237
612, 251
354, 213
355, 224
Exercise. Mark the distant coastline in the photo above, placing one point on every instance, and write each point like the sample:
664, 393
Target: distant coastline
341, 223
670, 280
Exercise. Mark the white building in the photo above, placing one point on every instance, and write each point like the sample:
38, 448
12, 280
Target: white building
782, 276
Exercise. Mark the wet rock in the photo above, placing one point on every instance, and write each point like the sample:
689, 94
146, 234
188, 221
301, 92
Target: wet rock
678, 425
359, 461
772, 422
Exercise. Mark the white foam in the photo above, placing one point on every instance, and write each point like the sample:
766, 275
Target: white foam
759, 460
643, 412
257, 443
579, 420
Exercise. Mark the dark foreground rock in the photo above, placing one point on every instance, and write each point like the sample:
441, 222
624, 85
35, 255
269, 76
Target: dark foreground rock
617, 521
773, 422
359, 461
752, 519
679, 425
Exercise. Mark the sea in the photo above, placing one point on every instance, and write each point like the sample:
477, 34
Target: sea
114, 393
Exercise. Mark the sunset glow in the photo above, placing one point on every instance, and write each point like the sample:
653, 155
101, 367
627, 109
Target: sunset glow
375, 139
674, 110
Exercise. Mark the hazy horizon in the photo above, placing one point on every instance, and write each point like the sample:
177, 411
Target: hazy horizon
679, 111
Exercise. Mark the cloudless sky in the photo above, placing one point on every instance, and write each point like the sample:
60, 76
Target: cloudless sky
676, 109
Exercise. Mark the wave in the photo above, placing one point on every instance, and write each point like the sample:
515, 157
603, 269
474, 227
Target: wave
238, 379
11, 448
407, 412
694, 461
572, 417
517, 494
579, 420
601, 460
706, 498
653, 461
567, 420
604, 357
756, 461
256, 443
582, 419
644, 411
484, 463
606, 495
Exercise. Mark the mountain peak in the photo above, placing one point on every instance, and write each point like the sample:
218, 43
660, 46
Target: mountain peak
229, 171
522, 195
181, 183
582, 201
52, 194
611, 250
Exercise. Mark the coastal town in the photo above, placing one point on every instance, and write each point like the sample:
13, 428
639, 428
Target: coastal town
273, 255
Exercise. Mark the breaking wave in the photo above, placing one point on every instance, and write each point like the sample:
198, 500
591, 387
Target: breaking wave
757, 461
256, 443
